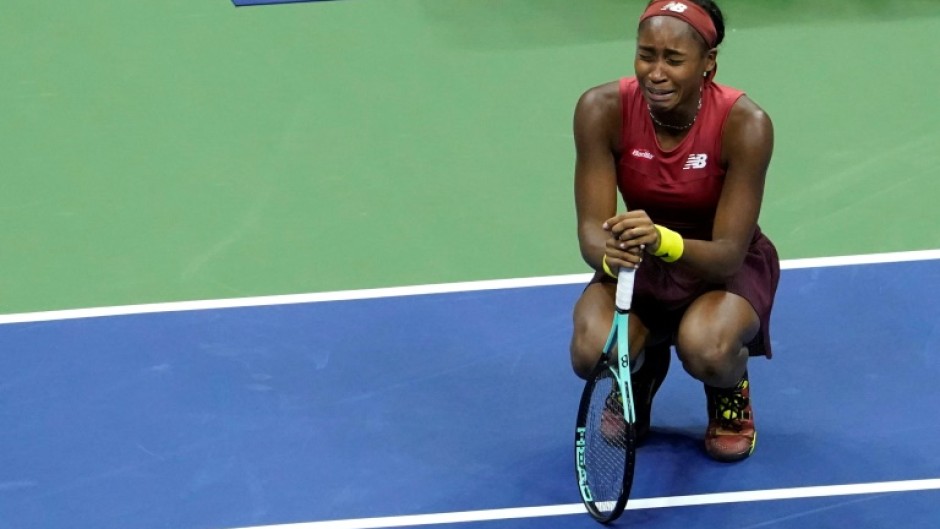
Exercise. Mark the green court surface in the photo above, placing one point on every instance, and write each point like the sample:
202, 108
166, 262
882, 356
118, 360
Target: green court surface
180, 150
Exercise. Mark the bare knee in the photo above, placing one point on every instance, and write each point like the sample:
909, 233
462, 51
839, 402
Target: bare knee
712, 335
714, 361
585, 352
592, 316
589, 338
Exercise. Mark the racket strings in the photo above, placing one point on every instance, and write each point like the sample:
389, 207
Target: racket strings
606, 443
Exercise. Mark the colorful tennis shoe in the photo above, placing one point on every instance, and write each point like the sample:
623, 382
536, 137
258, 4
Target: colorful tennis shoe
731, 435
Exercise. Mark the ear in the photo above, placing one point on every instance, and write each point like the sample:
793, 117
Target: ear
711, 60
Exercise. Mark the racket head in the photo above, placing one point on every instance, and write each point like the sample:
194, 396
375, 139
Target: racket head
605, 446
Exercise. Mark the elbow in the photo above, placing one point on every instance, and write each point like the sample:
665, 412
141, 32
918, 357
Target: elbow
726, 269
723, 275
587, 254
590, 244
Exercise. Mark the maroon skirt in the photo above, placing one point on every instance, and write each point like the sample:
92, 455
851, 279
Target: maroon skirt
663, 291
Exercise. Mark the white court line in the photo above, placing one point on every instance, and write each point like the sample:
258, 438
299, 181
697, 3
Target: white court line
641, 503
444, 288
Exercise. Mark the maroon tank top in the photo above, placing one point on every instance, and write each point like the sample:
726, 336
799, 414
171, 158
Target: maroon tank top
679, 188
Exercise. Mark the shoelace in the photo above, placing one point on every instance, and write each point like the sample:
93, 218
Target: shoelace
731, 406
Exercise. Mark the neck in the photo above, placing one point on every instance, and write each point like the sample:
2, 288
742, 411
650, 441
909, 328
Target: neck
679, 120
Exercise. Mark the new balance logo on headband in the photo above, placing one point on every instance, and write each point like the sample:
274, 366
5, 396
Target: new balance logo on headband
696, 161
677, 7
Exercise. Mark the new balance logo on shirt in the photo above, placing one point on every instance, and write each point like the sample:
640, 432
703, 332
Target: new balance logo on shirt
696, 161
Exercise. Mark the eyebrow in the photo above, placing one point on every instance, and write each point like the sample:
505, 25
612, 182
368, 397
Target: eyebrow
668, 51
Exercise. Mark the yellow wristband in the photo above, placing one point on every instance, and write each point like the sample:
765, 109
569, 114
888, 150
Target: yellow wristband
671, 244
607, 268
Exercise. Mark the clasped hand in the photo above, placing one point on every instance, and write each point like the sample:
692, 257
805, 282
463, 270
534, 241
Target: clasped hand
631, 234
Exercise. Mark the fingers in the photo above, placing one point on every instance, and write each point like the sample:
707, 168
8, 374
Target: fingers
625, 222
618, 255
631, 234
634, 229
644, 235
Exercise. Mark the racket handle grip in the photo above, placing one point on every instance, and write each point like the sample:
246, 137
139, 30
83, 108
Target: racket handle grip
624, 298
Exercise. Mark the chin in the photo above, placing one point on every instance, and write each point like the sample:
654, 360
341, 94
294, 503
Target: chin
661, 106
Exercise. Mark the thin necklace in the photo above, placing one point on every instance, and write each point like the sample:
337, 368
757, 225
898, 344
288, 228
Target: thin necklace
676, 127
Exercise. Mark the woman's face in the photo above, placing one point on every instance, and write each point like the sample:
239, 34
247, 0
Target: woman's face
670, 63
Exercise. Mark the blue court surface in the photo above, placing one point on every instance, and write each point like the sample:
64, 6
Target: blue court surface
448, 408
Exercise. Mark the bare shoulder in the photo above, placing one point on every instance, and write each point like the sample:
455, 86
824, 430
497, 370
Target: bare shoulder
597, 114
748, 117
601, 98
748, 133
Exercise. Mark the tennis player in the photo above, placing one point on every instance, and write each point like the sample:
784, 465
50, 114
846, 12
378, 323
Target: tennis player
689, 157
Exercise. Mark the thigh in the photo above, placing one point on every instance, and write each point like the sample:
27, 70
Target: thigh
717, 322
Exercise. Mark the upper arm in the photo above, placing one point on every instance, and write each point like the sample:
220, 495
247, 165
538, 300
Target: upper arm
747, 146
596, 135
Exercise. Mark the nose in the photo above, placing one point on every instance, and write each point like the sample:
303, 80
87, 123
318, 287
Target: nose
656, 74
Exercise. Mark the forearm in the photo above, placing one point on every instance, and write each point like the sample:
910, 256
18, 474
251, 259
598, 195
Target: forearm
713, 261
593, 242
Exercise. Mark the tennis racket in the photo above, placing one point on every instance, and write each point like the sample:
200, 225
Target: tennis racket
605, 435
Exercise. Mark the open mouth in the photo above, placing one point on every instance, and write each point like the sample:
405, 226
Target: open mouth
658, 94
